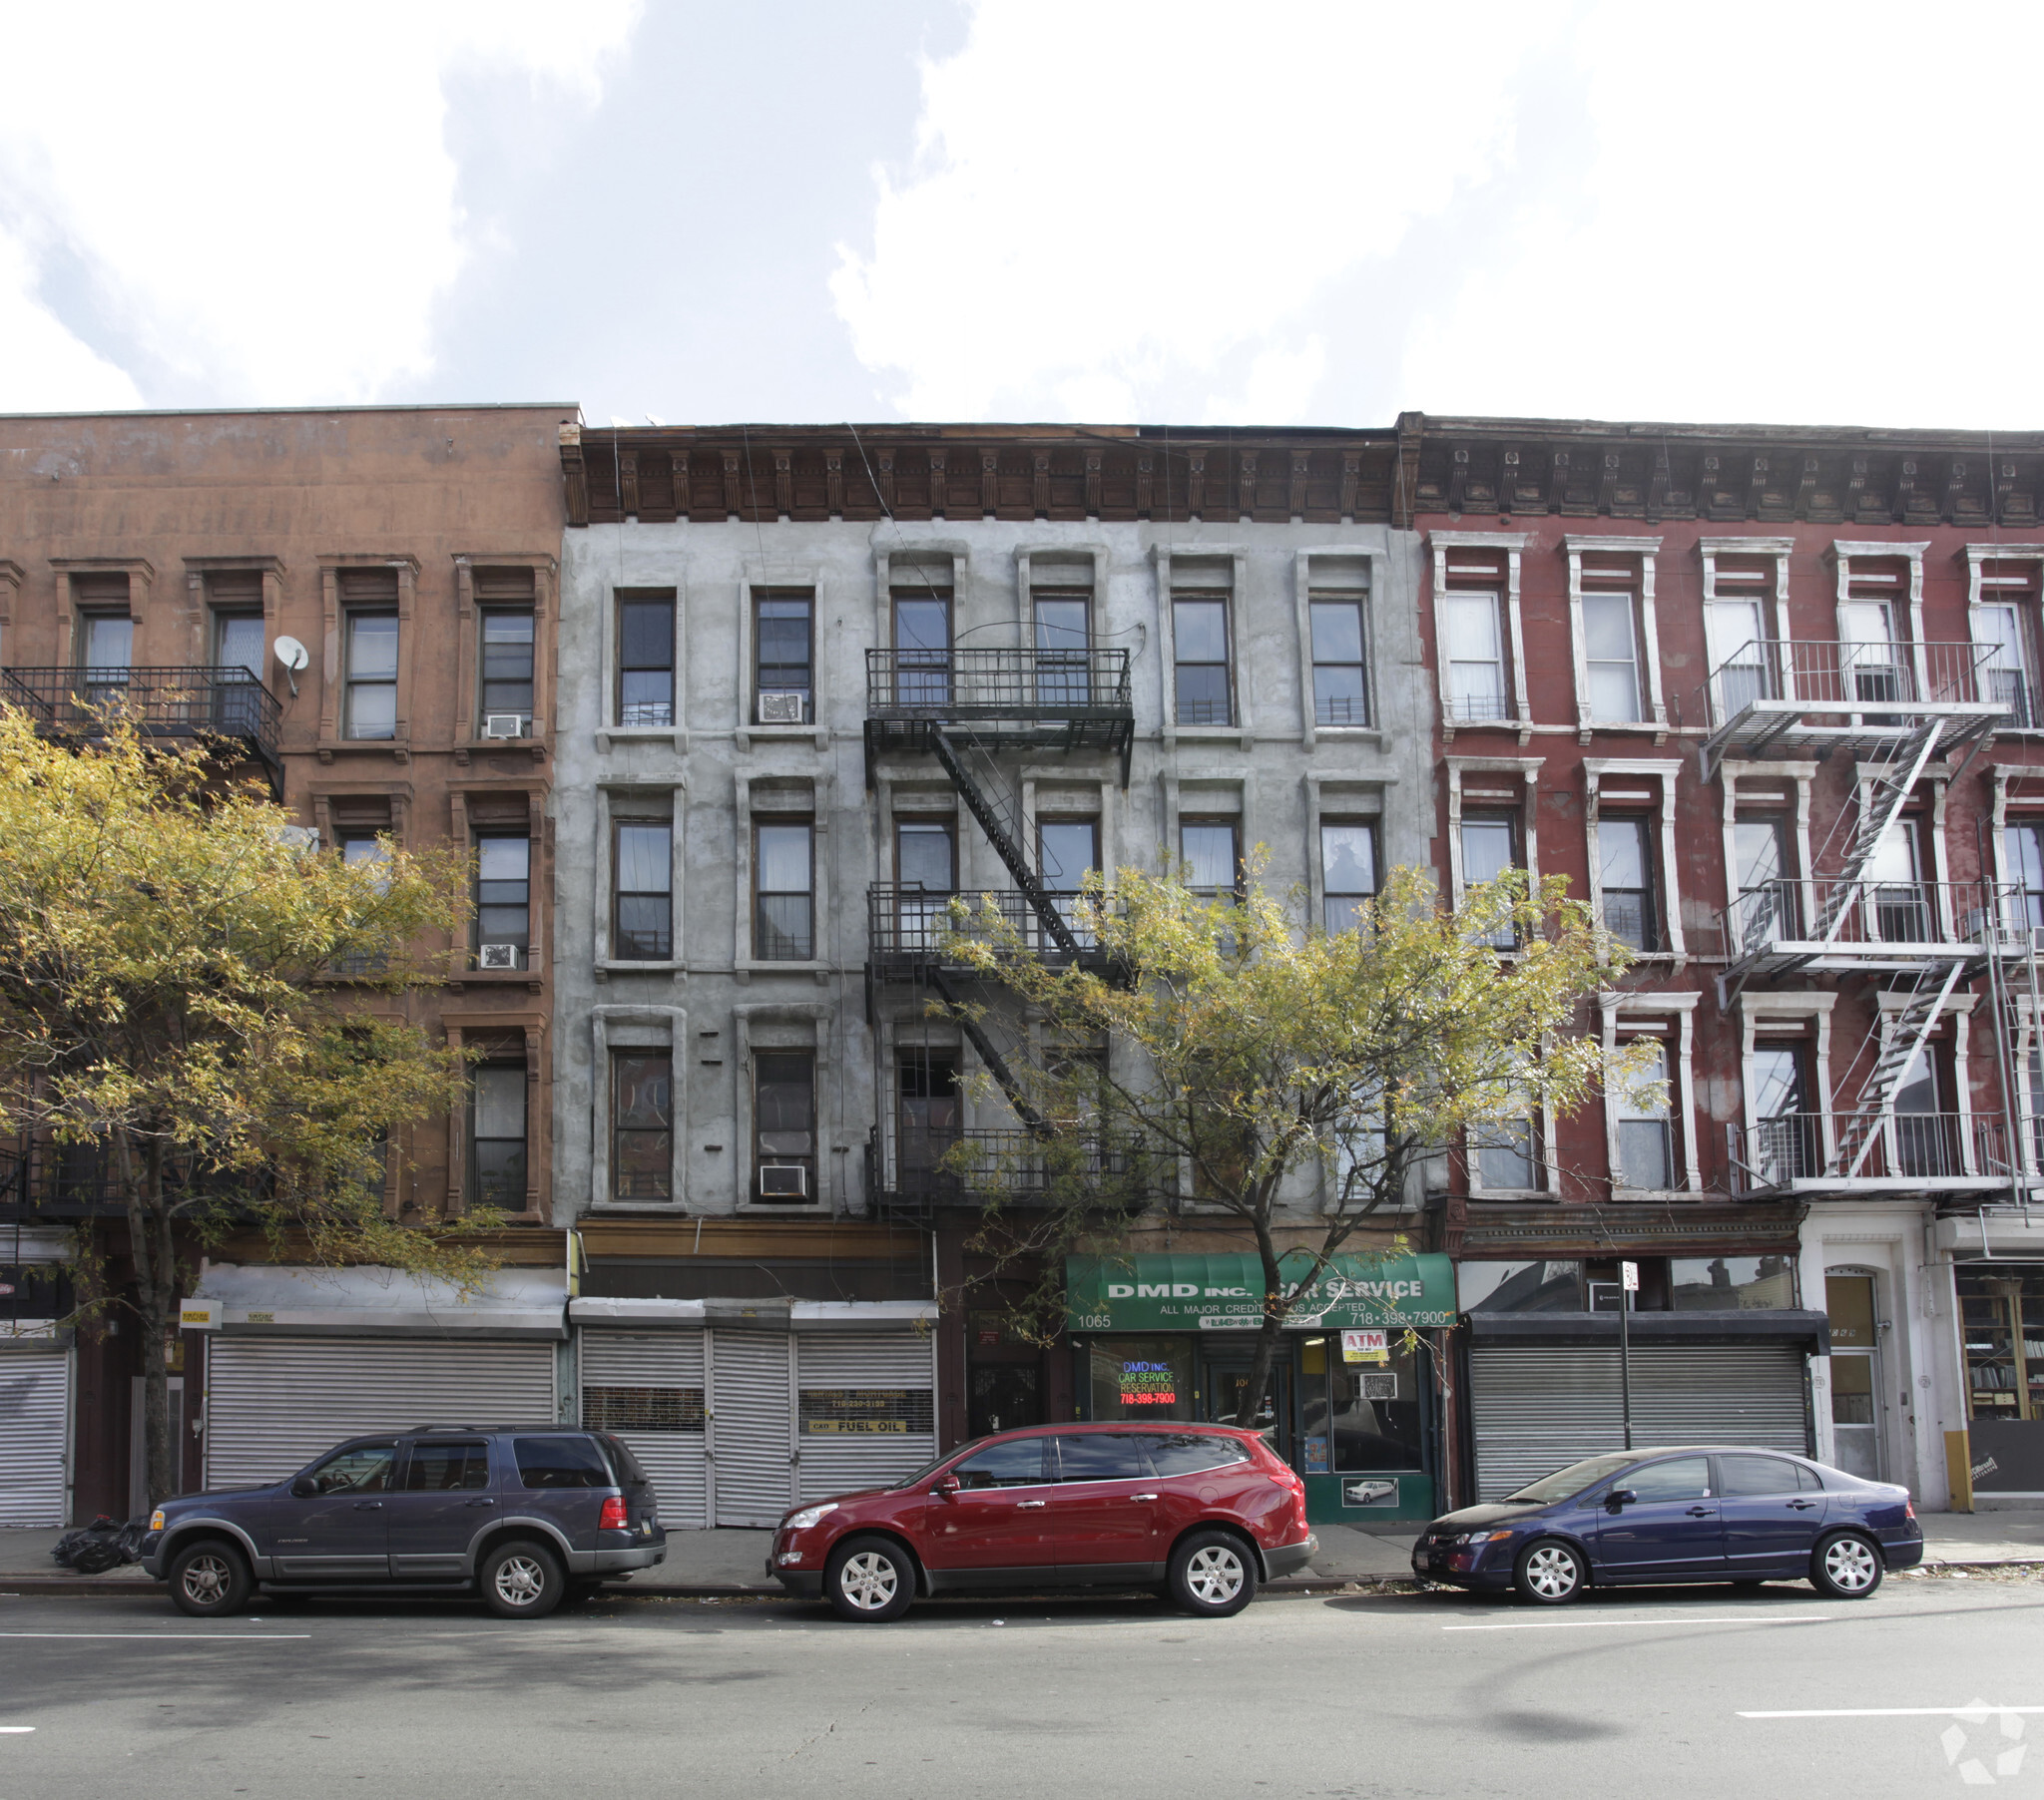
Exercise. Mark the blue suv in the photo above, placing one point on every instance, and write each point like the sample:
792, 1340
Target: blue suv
528, 1515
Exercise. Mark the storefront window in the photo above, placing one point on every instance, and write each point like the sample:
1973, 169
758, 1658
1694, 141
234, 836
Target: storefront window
2002, 1312
1141, 1378
1730, 1283
1520, 1286
1357, 1418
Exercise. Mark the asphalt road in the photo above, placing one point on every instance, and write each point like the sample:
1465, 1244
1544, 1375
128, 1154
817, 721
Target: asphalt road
1405, 1694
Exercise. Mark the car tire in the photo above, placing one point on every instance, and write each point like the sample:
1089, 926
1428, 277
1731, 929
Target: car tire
209, 1580
1845, 1566
1550, 1572
868, 1581
1212, 1575
522, 1578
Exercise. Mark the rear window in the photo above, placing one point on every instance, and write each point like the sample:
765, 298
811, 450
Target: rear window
1102, 1457
631, 1472
1189, 1451
561, 1463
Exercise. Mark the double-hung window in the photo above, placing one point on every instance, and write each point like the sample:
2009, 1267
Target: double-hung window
497, 1132
784, 1126
1064, 637
641, 1125
1507, 1155
1212, 852
2022, 851
1610, 657
1626, 871
1340, 694
503, 901
372, 697
507, 652
1349, 872
2005, 672
646, 660
1789, 1139
106, 640
1200, 633
1065, 850
1897, 902
784, 874
783, 648
642, 864
1646, 1148
1473, 629
1490, 846
1769, 900
926, 875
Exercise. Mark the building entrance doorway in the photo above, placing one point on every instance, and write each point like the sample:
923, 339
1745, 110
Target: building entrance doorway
1221, 1394
1856, 1375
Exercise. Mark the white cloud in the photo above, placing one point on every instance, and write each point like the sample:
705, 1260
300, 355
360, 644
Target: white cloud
250, 201
1108, 201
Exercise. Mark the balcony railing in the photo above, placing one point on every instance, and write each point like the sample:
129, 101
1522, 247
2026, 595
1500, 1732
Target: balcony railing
910, 1172
181, 706
1825, 676
68, 1181
908, 926
1802, 1150
1047, 686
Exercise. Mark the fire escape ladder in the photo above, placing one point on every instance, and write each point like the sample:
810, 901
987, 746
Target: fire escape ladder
1001, 832
1912, 1028
969, 1022
1889, 792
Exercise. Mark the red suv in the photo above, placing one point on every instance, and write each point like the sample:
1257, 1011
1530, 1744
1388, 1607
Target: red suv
1202, 1512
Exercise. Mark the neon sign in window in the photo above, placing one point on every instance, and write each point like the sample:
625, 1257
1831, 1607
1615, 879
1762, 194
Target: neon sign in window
1149, 1384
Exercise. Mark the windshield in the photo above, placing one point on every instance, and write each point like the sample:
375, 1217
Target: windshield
930, 1468
1565, 1483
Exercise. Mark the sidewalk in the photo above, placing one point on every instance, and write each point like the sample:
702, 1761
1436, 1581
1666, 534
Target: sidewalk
731, 1562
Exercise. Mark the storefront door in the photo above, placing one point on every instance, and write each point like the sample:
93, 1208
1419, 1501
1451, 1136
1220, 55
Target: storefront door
1856, 1375
1221, 1386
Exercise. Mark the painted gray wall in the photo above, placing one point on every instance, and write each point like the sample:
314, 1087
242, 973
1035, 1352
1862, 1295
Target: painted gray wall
1270, 769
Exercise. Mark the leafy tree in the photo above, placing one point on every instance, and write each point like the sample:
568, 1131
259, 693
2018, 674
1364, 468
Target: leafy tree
1290, 1079
164, 1021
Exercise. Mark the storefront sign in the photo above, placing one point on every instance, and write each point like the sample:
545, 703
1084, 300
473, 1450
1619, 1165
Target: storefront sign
1148, 1383
1365, 1346
1224, 1292
865, 1412
198, 1315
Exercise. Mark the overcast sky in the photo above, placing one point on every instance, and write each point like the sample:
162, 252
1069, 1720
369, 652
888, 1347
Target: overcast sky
1025, 209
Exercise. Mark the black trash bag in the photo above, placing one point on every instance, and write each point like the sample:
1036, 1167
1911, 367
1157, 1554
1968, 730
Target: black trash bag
103, 1545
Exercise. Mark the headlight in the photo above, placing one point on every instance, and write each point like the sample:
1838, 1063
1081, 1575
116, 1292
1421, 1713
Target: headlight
809, 1516
1483, 1537
156, 1519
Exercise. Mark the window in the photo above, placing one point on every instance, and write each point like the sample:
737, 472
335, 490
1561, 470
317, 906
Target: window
1064, 636
643, 871
1211, 851
1065, 850
1102, 1457
1474, 640
108, 650
362, 1469
641, 1125
784, 1126
783, 647
1736, 632
1140, 1378
2005, 670
1646, 1149
784, 877
646, 660
1789, 1138
1018, 1463
371, 699
507, 665
1769, 903
1730, 1283
1871, 645
561, 1463
1193, 1452
1341, 697
1625, 861
922, 647
2002, 1312
1506, 1157
1489, 848
1610, 657
2022, 847
438, 1467
927, 871
503, 901
1349, 867
497, 1135
1681, 1478
1897, 902
1199, 632
927, 1084
1927, 1135
238, 642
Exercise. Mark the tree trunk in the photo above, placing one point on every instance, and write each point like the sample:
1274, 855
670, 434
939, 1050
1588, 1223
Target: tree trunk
156, 1275
1267, 1334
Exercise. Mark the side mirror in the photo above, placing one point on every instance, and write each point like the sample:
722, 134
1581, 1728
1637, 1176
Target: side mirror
948, 1485
306, 1488
1619, 1497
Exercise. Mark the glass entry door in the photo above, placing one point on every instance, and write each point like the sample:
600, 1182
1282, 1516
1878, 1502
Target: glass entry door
1221, 1397
1855, 1374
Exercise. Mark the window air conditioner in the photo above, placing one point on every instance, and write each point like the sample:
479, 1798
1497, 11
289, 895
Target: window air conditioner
782, 709
504, 724
497, 956
783, 1183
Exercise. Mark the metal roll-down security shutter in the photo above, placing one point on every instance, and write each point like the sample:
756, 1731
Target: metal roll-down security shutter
274, 1404
1536, 1410
866, 1409
751, 1428
35, 1410
648, 1388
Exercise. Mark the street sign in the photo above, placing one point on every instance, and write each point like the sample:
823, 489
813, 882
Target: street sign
1629, 1277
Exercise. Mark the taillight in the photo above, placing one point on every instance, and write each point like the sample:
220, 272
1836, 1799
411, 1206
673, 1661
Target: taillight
1908, 1509
614, 1517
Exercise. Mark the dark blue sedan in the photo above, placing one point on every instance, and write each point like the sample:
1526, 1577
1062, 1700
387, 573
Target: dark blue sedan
1692, 1513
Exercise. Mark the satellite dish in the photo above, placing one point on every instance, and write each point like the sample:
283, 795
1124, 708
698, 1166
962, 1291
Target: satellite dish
293, 655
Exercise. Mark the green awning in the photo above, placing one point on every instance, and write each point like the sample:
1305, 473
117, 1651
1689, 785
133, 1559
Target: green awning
1226, 1292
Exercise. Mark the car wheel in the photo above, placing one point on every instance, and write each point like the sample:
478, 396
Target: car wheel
1212, 1574
522, 1579
1845, 1566
869, 1580
209, 1580
1550, 1573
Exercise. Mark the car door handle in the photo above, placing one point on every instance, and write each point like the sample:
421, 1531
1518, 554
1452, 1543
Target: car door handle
1145, 1497
1803, 1506
1029, 1502
482, 1503
369, 1505
1703, 1511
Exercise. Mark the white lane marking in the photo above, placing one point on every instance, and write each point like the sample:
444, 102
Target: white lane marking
182, 1636
1974, 1711
1716, 1618
15, 1730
